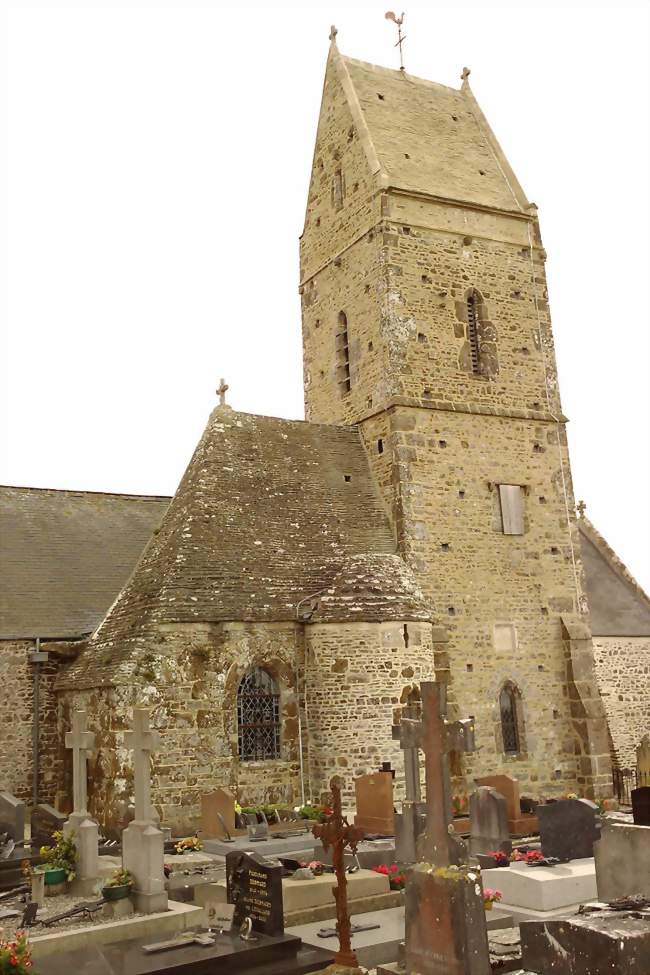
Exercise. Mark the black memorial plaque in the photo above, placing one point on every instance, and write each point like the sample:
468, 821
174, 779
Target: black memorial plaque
254, 886
641, 805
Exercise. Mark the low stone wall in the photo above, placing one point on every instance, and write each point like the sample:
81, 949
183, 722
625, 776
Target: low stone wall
623, 675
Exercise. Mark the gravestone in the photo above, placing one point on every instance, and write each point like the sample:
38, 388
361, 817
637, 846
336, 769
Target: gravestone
142, 841
254, 886
643, 761
12, 817
604, 943
374, 802
641, 805
257, 832
488, 819
45, 821
218, 814
79, 825
520, 821
622, 861
568, 828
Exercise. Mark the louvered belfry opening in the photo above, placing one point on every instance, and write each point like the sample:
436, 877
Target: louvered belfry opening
472, 330
509, 727
343, 354
258, 717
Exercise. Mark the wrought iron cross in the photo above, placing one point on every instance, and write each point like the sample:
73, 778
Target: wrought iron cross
339, 834
437, 737
81, 741
142, 741
222, 390
389, 15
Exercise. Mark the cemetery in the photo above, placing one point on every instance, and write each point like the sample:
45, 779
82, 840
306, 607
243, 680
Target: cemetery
264, 754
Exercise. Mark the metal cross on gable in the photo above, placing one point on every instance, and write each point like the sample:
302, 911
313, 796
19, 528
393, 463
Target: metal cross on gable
82, 742
436, 737
142, 740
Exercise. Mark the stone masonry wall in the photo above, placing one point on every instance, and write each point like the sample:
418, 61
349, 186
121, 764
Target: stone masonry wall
189, 682
623, 674
357, 677
16, 721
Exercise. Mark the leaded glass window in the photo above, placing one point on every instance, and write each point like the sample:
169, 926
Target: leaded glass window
509, 728
258, 717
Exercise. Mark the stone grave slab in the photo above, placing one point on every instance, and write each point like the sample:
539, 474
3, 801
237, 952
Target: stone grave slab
12, 816
370, 853
374, 803
45, 821
488, 822
254, 886
568, 828
519, 822
268, 955
622, 857
641, 805
597, 944
271, 847
543, 888
218, 815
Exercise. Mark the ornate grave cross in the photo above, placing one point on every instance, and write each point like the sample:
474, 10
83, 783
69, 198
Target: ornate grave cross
339, 834
437, 737
142, 741
82, 742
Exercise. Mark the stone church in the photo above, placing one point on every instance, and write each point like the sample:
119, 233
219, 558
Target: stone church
278, 612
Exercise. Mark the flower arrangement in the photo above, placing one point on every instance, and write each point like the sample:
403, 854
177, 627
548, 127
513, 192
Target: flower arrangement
15, 956
527, 856
460, 804
316, 866
62, 856
191, 844
490, 897
500, 858
396, 879
120, 878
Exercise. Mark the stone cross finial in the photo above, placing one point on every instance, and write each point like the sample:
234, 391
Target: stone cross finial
582, 507
81, 741
333, 33
466, 73
437, 737
142, 741
222, 390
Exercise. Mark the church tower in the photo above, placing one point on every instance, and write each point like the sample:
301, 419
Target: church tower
426, 323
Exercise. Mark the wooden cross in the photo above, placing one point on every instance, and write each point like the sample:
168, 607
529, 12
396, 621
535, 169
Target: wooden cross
337, 833
81, 741
142, 741
437, 737
222, 390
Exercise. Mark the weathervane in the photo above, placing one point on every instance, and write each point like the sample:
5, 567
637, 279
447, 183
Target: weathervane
400, 40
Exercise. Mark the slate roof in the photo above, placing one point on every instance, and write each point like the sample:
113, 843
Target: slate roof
433, 139
65, 555
372, 587
618, 606
264, 517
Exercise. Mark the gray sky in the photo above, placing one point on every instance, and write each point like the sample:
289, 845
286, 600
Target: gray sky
157, 164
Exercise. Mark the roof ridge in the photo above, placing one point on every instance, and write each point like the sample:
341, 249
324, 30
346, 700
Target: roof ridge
82, 492
402, 74
608, 553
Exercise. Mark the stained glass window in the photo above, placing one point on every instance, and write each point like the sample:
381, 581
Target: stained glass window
509, 729
258, 717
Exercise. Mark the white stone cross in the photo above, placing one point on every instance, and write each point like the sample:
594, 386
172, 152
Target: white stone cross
142, 741
81, 741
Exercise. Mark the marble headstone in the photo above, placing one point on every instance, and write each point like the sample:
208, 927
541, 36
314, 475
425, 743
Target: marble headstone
12, 817
488, 817
568, 828
254, 886
641, 805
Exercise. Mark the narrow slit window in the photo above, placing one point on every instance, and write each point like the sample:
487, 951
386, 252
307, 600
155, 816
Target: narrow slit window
338, 190
509, 724
472, 333
511, 499
343, 355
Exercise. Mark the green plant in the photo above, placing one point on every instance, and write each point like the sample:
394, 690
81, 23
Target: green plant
313, 811
62, 856
120, 878
15, 956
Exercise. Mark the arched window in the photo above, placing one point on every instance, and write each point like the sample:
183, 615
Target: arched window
509, 720
343, 354
258, 717
472, 332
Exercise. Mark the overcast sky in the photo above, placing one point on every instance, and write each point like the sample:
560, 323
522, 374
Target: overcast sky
157, 161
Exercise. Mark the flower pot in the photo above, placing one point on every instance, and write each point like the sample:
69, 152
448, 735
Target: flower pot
117, 892
55, 876
488, 905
